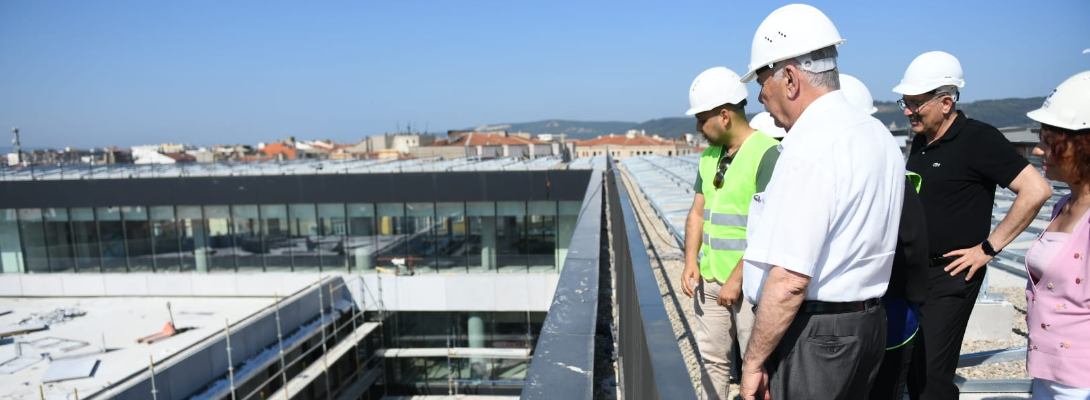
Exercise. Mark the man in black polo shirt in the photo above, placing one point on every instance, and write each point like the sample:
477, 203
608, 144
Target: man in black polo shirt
961, 161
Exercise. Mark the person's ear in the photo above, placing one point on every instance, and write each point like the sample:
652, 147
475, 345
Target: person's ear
947, 104
791, 75
724, 113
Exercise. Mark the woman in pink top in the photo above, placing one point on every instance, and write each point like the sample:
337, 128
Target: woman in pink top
1058, 293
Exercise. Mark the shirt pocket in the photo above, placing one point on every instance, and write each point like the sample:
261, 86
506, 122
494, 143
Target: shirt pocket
756, 209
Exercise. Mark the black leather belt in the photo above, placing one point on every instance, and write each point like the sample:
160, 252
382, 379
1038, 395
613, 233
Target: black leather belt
825, 307
940, 261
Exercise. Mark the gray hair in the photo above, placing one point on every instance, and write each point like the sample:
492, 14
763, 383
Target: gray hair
828, 79
949, 90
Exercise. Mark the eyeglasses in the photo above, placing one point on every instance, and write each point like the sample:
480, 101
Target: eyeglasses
1047, 134
915, 107
724, 162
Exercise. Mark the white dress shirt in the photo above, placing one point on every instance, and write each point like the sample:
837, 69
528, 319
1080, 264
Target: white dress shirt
833, 207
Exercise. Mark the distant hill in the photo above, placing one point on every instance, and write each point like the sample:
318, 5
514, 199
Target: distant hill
668, 127
1004, 112
671, 127
571, 129
1000, 113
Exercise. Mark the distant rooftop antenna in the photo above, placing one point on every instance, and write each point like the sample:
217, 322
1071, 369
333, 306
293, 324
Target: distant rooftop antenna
18, 147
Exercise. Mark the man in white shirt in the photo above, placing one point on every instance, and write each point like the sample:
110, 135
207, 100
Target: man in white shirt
822, 236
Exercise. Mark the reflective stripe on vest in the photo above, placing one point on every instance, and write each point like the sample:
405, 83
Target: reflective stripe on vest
724, 219
725, 244
729, 219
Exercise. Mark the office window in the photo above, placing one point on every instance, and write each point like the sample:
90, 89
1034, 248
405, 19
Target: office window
276, 236
451, 234
511, 241
137, 238
361, 243
111, 234
332, 229
194, 255
420, 218
221, 240
11, 243
303, 232
166, 242
249, 248
85, 244
481, 241
58, 236
34, 244
541, 236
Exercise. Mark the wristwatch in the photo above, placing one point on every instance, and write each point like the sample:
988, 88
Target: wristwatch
988, 249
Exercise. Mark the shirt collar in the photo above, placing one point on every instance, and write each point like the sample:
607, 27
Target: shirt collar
824, 104
955, 127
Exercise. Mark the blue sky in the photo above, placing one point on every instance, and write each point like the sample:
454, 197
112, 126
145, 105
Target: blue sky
99, 73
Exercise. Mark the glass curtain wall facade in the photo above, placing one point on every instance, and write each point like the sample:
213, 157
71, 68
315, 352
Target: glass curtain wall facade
443, 330
414, 238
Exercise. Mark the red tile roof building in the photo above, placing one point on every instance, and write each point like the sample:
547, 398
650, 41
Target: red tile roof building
632, 144
460, 144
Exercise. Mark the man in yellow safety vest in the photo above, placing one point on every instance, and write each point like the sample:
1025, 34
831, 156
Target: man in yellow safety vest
737, 164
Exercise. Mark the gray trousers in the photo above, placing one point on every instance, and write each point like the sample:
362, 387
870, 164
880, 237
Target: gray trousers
715, 330
828, 356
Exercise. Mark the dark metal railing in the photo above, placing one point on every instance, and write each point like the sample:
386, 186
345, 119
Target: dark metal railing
649, 360
651, 365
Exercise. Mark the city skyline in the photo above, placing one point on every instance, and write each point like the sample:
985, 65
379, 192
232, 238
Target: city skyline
126, 73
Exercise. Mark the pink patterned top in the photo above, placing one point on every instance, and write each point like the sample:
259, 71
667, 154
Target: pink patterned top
1058, 309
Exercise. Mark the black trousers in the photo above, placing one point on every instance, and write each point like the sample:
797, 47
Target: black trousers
893, 374
828, 356
943, 319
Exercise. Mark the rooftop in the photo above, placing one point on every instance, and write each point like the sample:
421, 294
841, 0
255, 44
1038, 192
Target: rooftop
624, 140
487, 139
113, 323
288, 167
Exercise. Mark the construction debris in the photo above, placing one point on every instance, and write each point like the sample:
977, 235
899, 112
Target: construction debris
56, 316
168, 331
14, 330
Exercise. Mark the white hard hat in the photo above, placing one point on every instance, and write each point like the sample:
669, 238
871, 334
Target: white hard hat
930, 71
1068, 106
857, 94
789, 32
764, 123
715, 87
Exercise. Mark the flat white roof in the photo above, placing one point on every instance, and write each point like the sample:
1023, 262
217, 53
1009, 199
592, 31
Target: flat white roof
121, 321
290, 167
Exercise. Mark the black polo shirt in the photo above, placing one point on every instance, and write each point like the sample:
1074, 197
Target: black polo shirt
960, 172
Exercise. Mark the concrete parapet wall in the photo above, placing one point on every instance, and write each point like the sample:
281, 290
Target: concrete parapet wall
484, 292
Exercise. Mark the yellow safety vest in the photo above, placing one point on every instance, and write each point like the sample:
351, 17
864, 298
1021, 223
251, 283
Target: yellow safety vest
726, 209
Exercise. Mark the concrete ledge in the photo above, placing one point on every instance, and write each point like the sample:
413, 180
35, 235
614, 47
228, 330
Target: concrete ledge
990, 320
470, 292
83, 285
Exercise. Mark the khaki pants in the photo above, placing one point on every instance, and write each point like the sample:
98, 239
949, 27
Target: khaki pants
715, 330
